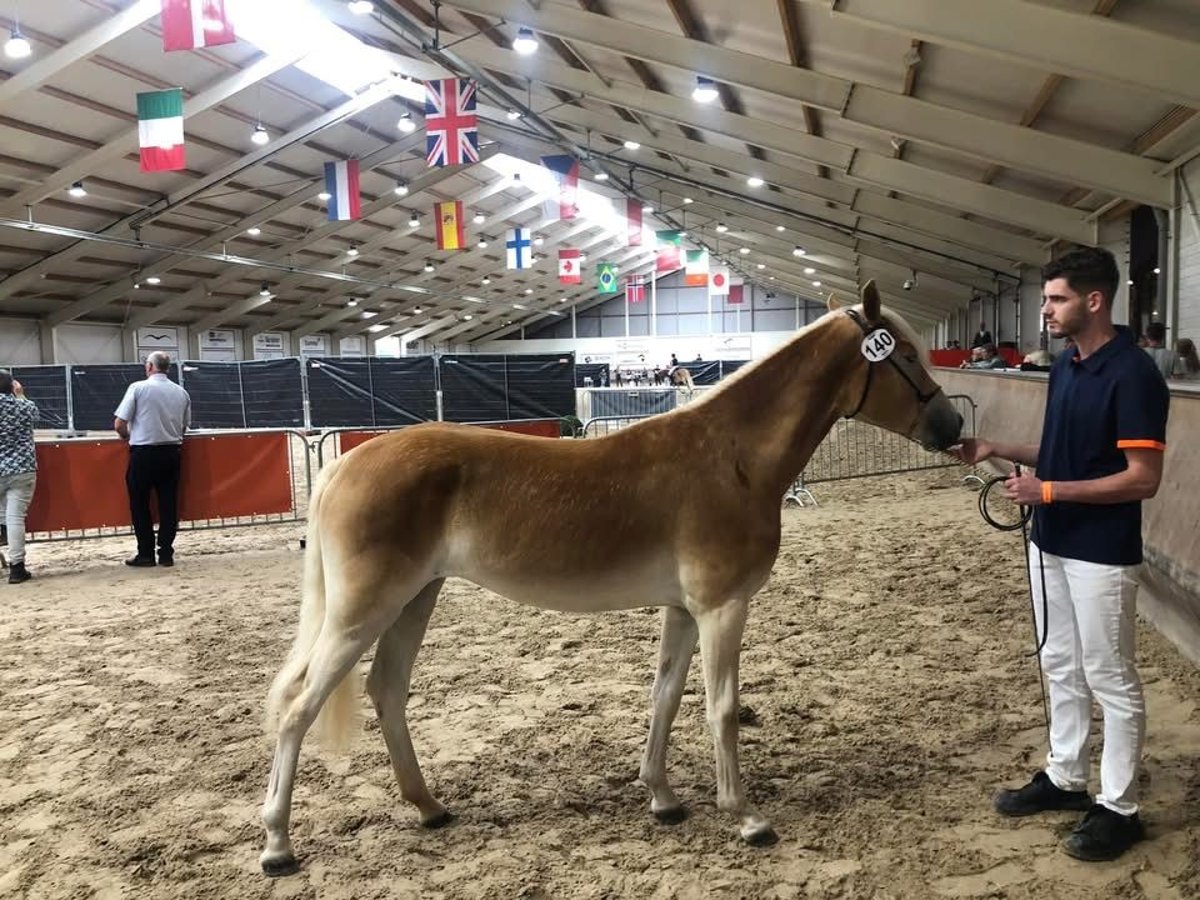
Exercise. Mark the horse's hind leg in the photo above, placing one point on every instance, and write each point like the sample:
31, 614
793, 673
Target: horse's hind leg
331, 659
388, 687
675, 649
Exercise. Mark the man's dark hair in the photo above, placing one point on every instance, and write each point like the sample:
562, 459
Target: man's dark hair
1086, 270
1157, 332
6, 381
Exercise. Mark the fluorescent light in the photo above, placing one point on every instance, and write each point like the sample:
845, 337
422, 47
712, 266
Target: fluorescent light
361, 7
260, 135
406, 123
525, 43
17, 46
632, 145
254, 231
754, 181
705, 90
77, 190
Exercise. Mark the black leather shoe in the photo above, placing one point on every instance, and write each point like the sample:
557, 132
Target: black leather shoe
1040, 795
166, 559
17, 573
1103, 835
140, 562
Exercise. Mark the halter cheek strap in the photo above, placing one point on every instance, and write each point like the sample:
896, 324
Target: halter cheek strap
880, 350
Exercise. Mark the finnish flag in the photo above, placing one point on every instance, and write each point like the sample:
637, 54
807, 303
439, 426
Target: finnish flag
518, 246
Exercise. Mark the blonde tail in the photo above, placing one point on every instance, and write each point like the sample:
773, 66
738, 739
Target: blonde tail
335, 722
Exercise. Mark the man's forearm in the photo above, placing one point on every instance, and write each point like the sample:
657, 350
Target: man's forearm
1023, 454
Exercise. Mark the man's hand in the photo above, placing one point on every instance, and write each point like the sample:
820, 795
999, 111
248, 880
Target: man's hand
18, 390
1023, 489
973, 450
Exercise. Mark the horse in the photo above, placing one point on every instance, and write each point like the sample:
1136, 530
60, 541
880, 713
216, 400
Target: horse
694, 532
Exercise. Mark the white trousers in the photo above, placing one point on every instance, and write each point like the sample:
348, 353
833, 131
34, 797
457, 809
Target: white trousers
15, 493
1090, 652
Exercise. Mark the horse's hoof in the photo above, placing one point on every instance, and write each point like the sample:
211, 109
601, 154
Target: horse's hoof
672, 816
280, 866
761, 837
441, 820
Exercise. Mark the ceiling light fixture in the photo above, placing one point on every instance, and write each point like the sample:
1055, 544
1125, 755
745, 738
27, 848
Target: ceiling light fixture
324, 195
538, 241
705, 90
601, 176
416, 311
529, 290
486, 280
647, 207
264, 290
77, 190
478, 218
361, 7
754, 181
743, 250
401, 189
781, 228
17, 46
722, 228
809, 270
632, 145
798, 251
512, 114
406, 123
688, 201
414, 220
352, 302
353, 251
260, 135
525, 43
153, 279
428, 265
816, 284
254, 231
762, 265
483, 242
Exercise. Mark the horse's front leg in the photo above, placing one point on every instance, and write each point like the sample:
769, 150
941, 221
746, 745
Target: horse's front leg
675, 650
720, 644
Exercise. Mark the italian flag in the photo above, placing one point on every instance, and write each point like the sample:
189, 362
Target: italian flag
160, 130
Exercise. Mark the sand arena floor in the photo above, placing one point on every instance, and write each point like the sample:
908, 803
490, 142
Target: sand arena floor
887, 694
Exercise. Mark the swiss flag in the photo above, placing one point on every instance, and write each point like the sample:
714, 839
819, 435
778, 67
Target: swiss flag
735, 293
569, 269
718, 281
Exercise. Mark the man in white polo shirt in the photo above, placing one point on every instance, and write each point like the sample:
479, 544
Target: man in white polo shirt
153, 417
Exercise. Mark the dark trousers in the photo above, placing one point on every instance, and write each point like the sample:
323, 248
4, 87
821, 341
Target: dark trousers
154, 467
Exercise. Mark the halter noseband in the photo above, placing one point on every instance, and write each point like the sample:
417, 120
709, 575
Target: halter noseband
867, 330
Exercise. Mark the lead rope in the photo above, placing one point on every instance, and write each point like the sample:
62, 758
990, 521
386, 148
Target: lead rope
1023, 524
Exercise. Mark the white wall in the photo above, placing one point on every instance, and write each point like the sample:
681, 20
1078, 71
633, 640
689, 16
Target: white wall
81, 342
1114, 237
20, 342
1187, 222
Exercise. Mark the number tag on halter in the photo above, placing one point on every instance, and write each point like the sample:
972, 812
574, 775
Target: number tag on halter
878, 345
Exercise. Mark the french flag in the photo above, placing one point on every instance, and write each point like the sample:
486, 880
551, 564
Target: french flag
341, 182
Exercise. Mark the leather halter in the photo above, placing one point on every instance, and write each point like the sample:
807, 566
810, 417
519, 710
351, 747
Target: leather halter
867, 330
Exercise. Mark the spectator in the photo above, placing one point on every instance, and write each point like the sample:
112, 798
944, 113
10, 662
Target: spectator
1100, 456
1037, 361
1187, 363
18, 469
153, 417
1163, 356
982, 336
985, 357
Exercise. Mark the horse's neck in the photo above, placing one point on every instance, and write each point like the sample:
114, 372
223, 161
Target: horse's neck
781, 408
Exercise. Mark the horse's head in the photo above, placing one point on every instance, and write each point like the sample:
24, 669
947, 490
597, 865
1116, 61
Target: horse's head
893, 388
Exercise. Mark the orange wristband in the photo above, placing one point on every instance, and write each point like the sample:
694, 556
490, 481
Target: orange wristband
1047, 491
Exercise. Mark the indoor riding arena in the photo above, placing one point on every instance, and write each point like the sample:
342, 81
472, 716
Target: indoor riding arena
542, 286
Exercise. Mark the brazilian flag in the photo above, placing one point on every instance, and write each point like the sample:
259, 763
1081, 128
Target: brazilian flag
606, 278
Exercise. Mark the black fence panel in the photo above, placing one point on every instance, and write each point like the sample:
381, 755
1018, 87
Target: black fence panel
97, 390
216, 392
47, 387
729, 366
704, 372
339, 391
597, 372
404, 390
541, 385
272, 393
473, 387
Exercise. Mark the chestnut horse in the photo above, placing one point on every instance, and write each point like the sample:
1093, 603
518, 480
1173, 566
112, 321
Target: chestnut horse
694, 532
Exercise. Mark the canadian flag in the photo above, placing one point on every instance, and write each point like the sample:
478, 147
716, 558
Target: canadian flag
718, 281
569, 268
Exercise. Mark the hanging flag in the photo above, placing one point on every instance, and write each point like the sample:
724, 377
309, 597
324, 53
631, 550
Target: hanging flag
667, 248
565, 169
718, 281
695, 270
606, 278
160, 130
192, 24
341, 183
635, 289
518, 245
569, 267
736, 293
633, 218
451, 126
448, 219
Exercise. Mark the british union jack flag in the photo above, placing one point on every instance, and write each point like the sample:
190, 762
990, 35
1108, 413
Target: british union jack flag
451, 126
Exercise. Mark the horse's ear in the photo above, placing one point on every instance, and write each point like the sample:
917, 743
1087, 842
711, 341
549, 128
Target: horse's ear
833, 302
870, 301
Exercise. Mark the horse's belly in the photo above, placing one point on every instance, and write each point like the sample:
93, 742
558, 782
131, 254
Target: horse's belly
655, 583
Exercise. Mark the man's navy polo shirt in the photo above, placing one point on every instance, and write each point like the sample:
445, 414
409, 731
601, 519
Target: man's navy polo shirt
1096, 408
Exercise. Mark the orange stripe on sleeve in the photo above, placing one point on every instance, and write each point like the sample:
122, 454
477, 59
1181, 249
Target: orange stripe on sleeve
1141, 445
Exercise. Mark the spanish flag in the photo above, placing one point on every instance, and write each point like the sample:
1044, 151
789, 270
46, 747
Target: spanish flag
448, 221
